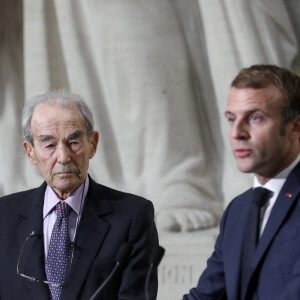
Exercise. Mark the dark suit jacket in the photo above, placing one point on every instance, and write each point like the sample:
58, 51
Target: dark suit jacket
109, 218
276, 262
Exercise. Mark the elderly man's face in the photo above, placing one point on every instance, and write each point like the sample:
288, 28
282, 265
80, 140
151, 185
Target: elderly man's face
61, 148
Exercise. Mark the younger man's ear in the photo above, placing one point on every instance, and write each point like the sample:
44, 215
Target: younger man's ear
296, 127
30, 152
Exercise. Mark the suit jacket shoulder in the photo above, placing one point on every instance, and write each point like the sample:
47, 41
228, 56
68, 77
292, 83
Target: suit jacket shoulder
277, 257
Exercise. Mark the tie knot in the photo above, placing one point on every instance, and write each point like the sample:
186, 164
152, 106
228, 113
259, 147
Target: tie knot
260, 196
62, 209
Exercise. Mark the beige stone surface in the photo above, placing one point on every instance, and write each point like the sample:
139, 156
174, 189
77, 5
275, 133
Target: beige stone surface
185, 259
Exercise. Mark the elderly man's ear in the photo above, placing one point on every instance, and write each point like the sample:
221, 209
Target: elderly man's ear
29, 149
93, 140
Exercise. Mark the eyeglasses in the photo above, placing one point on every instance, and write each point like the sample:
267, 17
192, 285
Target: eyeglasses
34, 279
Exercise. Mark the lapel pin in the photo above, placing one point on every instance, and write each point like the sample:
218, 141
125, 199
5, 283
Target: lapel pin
289, 195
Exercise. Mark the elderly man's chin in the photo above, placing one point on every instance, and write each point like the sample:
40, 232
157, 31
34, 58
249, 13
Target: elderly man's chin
66, 182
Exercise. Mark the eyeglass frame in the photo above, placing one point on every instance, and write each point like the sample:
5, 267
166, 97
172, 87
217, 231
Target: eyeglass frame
34, 279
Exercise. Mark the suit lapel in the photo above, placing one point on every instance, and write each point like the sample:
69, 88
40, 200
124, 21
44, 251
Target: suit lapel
287, 196
32, 258
91, 234
236, 246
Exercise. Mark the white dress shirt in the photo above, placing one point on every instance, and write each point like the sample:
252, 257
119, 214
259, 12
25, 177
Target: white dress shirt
274, 185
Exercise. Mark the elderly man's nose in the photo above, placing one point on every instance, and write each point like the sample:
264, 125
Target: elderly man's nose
63, 154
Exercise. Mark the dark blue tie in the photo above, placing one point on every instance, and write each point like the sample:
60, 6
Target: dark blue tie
259, 197
59, 251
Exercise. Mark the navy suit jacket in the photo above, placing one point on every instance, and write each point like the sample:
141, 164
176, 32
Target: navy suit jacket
276, 262
109, 218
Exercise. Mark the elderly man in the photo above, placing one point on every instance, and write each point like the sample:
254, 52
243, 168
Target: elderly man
61, 239
257, 253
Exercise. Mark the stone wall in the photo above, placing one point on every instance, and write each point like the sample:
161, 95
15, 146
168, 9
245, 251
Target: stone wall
185, 259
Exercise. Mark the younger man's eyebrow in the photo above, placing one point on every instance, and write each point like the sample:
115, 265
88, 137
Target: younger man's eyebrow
76, 134
228, 113
249, 112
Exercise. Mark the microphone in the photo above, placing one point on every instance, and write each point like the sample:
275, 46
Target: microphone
120, 259
154, 260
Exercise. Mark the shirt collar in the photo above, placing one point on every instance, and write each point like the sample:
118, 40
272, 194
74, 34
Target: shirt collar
275, 184
75, 201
